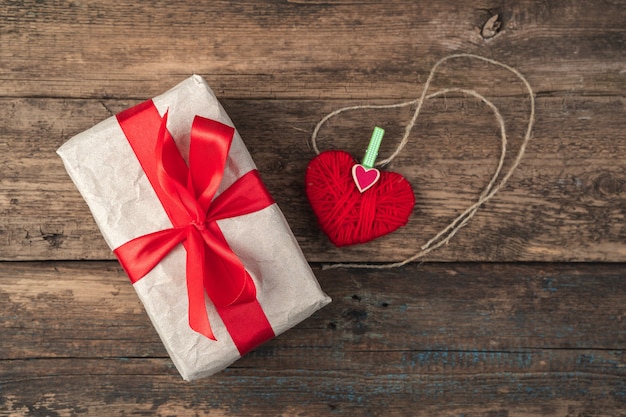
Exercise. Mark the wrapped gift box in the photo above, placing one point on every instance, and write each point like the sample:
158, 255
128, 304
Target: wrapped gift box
106, 170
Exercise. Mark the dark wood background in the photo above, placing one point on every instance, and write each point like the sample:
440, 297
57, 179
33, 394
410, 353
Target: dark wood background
522, 314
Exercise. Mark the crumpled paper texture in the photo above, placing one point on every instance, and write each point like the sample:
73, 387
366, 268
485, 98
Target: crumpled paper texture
106, 172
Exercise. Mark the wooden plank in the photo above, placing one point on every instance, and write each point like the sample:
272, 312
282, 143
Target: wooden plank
136, 387
499, 306
300, 49
71, 309
565, 202
443, 339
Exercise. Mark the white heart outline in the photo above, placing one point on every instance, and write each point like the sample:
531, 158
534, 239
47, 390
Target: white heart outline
356, 181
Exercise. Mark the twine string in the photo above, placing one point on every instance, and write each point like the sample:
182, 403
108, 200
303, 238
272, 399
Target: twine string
448, 232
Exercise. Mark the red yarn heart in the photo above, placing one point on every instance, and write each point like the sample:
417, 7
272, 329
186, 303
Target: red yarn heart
348, 216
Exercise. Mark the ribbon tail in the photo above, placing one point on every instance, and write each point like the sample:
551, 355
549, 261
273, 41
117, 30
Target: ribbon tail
138, 256
198, 317
229, 282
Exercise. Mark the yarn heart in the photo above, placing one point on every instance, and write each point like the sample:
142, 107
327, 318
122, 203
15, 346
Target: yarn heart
347, 215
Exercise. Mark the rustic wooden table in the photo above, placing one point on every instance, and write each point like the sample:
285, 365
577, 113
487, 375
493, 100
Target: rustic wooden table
523, 313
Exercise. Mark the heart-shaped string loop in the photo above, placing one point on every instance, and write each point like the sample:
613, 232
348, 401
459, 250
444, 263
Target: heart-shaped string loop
444, 236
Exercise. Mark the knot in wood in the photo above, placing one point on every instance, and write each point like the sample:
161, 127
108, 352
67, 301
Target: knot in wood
491, 27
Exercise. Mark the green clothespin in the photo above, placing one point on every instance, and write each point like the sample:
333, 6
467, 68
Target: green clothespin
364, 174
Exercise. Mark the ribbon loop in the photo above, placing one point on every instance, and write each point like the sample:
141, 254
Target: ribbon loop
208, 149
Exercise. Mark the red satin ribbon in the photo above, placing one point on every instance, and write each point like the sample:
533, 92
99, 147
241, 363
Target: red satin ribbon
187, 195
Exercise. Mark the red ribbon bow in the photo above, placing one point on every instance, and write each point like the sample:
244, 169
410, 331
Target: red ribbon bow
187, 195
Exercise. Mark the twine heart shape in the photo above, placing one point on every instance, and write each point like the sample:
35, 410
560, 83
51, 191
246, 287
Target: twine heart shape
444, 236
346, 213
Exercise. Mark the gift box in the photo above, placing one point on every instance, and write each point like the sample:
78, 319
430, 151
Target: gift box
177, 196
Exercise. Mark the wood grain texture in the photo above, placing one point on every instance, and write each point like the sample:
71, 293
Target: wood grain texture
567, 200
446, 339
299, 49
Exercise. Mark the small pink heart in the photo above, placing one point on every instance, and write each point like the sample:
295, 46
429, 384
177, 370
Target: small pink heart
363, 177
